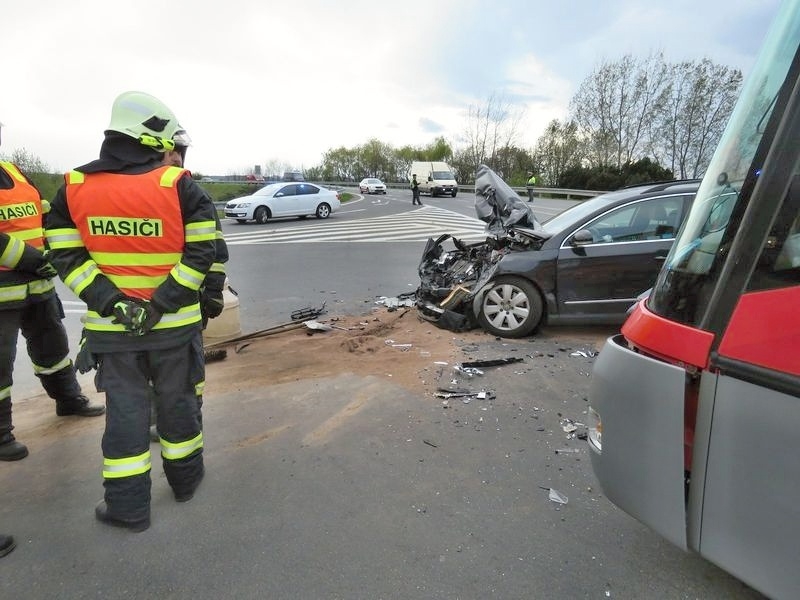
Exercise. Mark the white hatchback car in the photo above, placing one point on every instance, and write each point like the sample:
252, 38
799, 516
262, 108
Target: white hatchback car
284, 199
370, 185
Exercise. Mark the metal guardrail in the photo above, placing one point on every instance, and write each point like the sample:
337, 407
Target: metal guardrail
541, 192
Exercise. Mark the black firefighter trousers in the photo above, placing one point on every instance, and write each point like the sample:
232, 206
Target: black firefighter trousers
48, 348
130, 379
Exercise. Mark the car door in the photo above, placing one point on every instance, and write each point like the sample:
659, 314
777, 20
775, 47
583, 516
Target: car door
283, 202
603, 278
307, 199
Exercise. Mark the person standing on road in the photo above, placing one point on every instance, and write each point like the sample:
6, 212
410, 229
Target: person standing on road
415, 191
530, 184
135, 239
29, 303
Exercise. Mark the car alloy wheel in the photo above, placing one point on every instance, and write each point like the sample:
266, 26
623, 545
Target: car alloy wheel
512, 307
323, 211
261, 215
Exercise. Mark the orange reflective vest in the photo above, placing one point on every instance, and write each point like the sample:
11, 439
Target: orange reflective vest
131, 225
133, 230
21, 210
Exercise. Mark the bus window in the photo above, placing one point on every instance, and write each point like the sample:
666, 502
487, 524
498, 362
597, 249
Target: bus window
779, 263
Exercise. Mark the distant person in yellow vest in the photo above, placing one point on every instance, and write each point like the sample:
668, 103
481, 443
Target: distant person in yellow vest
415, 191
530, 184
135, 240
29, 304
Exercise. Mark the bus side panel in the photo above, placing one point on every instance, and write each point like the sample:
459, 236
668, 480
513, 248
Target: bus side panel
640, 467
751, 508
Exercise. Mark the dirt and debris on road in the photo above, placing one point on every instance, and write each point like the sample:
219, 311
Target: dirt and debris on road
390, 343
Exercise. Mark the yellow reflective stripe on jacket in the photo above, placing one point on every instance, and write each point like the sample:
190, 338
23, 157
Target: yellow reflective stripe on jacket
125, 259
114, 468
176, 451
13, 171
79, 279
199, 388
30, 234
184, 316
40, 286
13, 293
170, 175
19, 291
58, 239
136, 281
5, 393
39, 370
13, 253
75, 177
217, 268
201, 231
187, 277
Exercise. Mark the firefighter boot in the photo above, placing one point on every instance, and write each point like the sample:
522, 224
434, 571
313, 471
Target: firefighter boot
79, 406
11, 449
7, 544
137, 525
64, 388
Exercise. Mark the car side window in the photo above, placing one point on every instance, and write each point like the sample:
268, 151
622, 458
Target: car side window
654, 219
287, 190
306, 188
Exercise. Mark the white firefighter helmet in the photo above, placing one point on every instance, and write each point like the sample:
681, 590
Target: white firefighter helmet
148, 120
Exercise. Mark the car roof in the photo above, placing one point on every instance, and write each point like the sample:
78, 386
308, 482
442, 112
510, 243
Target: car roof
603, 202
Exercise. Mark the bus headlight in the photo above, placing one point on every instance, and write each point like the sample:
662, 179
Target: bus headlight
595, 431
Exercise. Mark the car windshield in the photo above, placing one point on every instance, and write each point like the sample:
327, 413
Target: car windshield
442, 175
268, 190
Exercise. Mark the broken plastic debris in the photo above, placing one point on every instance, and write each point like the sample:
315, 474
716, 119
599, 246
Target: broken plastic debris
468, 371
395, 302
317, 326
568, 451
558, 497
491, 363
403, 347
307, 313
584, 353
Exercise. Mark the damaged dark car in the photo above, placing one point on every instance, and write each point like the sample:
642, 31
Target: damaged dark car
586, 265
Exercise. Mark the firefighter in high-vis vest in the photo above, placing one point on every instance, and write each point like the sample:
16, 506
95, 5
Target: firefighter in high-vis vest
28, 303
135, 239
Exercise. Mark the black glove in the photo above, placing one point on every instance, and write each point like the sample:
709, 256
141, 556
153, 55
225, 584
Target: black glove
85, 361
212, 303
149, 318
129, 314
46, 271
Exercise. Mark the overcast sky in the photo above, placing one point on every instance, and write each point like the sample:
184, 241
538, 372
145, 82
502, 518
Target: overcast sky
256, 81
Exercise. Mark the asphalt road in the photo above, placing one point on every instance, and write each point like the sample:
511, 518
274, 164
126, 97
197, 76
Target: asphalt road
351, 487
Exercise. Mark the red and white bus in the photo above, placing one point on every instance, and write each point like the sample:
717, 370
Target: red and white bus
695, 406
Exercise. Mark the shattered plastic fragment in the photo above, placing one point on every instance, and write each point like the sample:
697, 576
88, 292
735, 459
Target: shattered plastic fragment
568, 451
558, 497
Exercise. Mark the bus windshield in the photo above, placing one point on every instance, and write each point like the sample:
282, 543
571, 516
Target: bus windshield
701, 245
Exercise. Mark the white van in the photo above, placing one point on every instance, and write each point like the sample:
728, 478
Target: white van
434, 178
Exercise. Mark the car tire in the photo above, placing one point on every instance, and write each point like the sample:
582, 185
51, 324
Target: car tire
261, 215
323, 211
454, 193
511, 308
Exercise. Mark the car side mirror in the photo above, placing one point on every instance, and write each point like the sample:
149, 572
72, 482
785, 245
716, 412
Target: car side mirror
584, 236
279, 194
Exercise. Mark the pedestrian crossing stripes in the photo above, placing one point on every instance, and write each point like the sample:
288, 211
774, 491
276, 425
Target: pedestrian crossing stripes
413, 226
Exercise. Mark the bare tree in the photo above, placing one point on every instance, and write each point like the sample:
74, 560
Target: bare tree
701, 99
615, 105
559, 148
27, 161
491, 131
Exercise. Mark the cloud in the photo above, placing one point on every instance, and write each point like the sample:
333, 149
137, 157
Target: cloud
254, 82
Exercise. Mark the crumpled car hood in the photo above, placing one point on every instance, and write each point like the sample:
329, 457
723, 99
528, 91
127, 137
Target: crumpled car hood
500, 206
453, 273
